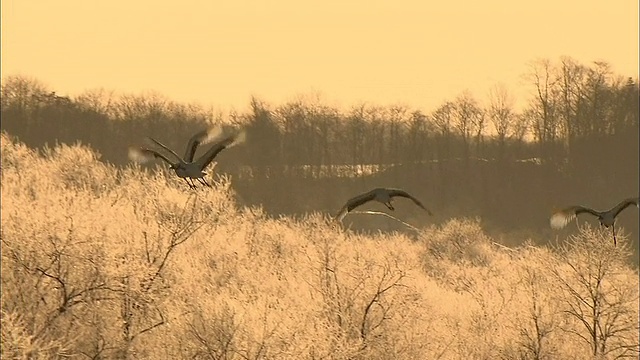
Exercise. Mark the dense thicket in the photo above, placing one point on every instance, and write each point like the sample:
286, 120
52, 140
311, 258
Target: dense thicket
576, 141
100, 262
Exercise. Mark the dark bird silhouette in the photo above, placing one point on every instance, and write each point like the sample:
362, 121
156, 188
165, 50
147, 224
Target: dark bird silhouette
185, 167
383, 195
607, 218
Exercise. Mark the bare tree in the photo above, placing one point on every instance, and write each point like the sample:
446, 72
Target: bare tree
20, 100
416, 150
543, 109
598, 95
469, 121
571, 100
356, 127
98, 100
541, 320
502, 115
20, 91
265, 134
397, 116
442, 118
600, 295
356, 305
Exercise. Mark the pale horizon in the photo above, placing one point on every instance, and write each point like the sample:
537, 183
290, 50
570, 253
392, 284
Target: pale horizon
365, 51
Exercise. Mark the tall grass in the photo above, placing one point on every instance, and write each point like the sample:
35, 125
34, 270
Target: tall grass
102, 262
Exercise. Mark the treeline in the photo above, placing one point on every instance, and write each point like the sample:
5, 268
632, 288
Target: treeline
576, 139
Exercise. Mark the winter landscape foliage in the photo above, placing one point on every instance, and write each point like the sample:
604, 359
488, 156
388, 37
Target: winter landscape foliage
105, 262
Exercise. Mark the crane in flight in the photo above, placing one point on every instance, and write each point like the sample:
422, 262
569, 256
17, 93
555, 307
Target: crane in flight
607, 218
383, 195
186, 168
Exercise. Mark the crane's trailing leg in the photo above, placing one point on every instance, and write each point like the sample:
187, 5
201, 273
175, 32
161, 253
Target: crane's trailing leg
389, 205
188, 183
613, 229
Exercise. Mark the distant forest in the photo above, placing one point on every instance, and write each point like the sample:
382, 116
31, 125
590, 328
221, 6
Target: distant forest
575, 142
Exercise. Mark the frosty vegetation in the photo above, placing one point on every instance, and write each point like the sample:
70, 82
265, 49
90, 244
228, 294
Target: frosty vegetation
572, 140
100, 262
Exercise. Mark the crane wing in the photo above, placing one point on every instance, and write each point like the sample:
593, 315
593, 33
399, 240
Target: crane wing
201, 137
354, 202
206, 159
561, 218
624, 204
402, 193
144, 155
166, 148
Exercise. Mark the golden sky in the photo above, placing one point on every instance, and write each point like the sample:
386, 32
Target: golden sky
414, 52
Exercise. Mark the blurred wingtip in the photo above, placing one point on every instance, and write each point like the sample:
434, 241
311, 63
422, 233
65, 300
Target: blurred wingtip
559, 220
239, 138
211, 134
141, 155
136, 154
